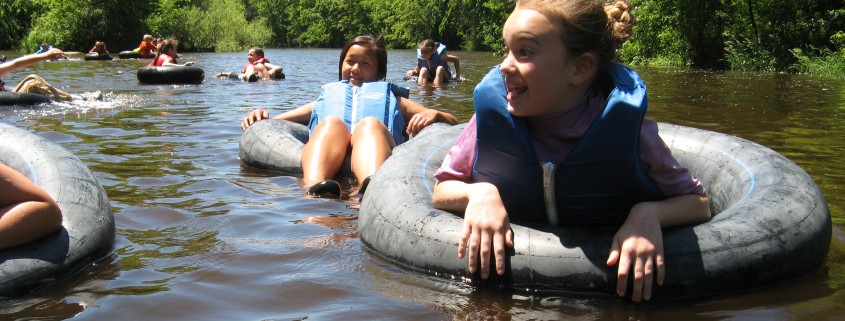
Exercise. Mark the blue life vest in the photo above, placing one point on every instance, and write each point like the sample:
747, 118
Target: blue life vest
43, 50
598, 182
436, 60
352, 104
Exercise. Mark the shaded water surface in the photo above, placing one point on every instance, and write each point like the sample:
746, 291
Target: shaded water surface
200, 237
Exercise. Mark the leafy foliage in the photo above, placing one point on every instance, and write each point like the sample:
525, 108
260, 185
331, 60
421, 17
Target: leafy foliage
761, 35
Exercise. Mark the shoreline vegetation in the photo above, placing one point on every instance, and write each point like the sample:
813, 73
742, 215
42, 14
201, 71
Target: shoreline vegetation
778, 36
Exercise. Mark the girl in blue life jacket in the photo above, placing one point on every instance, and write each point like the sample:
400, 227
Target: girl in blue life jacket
559, 137
367, 132
433, 64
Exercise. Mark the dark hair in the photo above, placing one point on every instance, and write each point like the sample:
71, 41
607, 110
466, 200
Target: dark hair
589, 25
372, 44
165, 45
258, 51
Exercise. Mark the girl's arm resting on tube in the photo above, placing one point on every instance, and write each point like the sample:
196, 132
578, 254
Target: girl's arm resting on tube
418, 116
301, 114
486, 224
638, 244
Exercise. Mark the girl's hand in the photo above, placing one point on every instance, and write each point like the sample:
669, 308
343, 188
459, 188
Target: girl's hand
55, 54
190, 63
486, 228
420, 120
254, 116
638, 244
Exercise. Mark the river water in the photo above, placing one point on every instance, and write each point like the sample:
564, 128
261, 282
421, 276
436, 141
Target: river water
201, 237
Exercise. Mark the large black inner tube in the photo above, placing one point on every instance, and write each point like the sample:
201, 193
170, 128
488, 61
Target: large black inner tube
276, 145
88, 223
8, 98
129, 54
171, 75
771, 223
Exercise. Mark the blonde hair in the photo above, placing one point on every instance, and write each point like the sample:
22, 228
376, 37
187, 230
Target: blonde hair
589, 25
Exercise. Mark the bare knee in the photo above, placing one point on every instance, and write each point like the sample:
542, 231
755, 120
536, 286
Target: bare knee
441, 75
330, 126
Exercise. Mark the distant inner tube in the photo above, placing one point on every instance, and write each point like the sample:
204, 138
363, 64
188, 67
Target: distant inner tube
8, 98
95, 56
129, 54
171, 75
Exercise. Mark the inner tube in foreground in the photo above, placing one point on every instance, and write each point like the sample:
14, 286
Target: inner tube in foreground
129, 54
771, 223
276, 145
95, 56
171, 75
87, 233
8, 98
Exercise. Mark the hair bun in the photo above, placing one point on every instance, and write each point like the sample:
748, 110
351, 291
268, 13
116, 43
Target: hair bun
621, 20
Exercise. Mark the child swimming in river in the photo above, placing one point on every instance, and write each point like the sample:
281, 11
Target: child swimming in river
433, 64
99, 49
167, 54
34, 83
257, 67
371, 134
558, 137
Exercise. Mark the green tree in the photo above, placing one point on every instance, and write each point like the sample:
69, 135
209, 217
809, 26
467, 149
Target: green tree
15, 21
76, 25
209, 25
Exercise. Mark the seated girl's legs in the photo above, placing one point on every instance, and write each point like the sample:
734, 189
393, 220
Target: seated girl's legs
27, 212
325, 151
37, 85
372, 144
422, 78
272, 70
261, 71
441, 77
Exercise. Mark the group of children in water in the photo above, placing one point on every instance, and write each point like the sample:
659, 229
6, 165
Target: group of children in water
558, 137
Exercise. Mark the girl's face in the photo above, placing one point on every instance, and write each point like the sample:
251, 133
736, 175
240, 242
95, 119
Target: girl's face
537, 71
171, 51
426, 53
359, 66
252, 56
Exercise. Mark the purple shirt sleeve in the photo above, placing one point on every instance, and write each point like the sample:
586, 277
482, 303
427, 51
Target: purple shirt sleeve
457, 165
671, 178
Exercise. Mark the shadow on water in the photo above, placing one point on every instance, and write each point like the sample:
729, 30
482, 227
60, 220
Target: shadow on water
200, 237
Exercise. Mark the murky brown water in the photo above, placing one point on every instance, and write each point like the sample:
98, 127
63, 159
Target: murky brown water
200, 237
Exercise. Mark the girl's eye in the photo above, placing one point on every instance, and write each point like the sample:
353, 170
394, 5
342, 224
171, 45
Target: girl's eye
524, 53
521, 53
